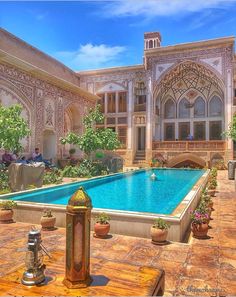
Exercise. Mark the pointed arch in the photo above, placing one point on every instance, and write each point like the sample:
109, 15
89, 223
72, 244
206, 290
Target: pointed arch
174, 74
216, 106
183, 110
186, 158
169, 109
199, 107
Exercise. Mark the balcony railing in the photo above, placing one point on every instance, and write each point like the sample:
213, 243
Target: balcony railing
211, 145
140, 107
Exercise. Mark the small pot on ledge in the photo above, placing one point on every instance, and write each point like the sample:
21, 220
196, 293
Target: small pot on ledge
6, 211
48, 220
159, 231
102, 225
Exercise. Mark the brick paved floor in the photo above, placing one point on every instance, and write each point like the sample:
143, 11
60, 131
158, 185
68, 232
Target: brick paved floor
199, 267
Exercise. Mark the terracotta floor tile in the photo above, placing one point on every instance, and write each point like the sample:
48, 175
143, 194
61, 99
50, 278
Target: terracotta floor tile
207, 265
200, 273
195, 287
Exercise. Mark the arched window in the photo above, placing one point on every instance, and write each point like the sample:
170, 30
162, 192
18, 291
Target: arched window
199, 108
169, 109
215, 107
150, 44
184, 111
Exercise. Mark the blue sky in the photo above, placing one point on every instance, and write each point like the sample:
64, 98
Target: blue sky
99, 34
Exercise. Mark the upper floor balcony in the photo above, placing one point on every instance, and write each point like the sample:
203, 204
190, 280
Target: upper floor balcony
140, 107
186, 146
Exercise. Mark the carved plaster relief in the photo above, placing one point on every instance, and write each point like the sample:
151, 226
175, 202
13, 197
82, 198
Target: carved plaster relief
110, 87
49, 113
216, 63
161, 68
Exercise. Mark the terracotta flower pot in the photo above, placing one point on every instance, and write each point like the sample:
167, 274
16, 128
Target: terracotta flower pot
101, 230
210, 205
48, 223
211, 192
6, 215
159, 235
199, 230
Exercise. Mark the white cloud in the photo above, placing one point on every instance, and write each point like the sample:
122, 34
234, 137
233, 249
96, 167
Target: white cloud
152, 8
91, 56
41, 16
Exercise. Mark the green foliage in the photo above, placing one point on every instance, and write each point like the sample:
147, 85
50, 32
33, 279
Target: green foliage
47, 213
99, 155
52, 177
3, 179
212, 184
160, 224
8, 204
31, 187
71, 171
93, 138
198, 217
213, 172
13, 127
220, 165
5, 191
86, 169
231, 133
102, 218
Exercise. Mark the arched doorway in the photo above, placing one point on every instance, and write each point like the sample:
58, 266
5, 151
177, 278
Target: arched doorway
190, 101
73, 123
187, 160
49, 144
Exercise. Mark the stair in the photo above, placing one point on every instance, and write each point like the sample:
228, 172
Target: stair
140, 158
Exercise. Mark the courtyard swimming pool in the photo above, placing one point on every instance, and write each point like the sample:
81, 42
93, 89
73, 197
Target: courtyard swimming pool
133, 191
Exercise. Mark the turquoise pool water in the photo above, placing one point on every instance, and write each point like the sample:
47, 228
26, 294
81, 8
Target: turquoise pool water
134, 191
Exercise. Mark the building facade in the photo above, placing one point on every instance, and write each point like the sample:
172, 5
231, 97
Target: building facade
173, 107
49, 92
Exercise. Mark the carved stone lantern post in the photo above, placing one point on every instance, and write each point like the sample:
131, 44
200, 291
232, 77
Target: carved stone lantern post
78, 217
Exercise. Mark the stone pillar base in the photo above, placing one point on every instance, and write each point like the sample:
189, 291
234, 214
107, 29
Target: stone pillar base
129, 158
77, 284
148, 156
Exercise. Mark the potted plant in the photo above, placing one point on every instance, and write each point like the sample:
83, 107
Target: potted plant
212, 186
199, 224
102, 225
48, 220
6, 211
208, 200
159, 231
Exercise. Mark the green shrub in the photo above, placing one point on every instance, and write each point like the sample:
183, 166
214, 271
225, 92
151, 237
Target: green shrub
5, 191
160, 224
70, 171
8, 204
47, 213
86, 168
102, 218
4, 179
31, 187
52, 177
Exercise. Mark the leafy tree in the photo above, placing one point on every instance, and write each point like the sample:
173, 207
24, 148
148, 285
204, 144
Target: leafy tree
231, 133
13, 127
93, 138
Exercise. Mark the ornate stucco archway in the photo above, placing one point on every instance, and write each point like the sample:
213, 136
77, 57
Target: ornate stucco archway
11, 95
73, 121
186, 83
187, 158
187, 75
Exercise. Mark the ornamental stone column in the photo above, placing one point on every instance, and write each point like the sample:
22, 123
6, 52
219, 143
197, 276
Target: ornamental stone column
149, 122
78, 217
